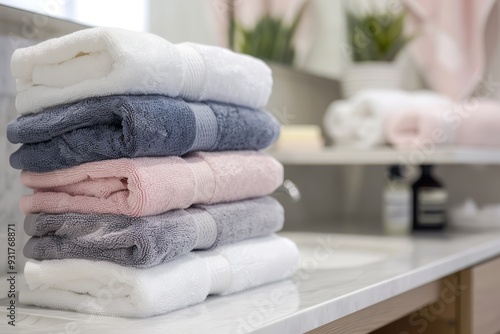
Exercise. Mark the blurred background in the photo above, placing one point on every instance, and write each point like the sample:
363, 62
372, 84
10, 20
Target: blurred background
330, 60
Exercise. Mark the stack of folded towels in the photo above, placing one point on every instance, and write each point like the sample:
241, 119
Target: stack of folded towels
149, 190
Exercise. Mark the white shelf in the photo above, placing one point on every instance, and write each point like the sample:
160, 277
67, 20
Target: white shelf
390, 156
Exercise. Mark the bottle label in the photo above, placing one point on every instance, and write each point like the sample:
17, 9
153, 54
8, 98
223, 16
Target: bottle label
432, 206
398, 213
397, 210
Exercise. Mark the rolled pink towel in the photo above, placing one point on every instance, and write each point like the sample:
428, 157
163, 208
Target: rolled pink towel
149, 186
470, 123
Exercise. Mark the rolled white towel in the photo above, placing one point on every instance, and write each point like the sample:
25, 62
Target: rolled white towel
338, 123
107, 61
360, 121
105, 288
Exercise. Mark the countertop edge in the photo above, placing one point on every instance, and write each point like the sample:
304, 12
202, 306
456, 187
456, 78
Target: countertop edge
327, 312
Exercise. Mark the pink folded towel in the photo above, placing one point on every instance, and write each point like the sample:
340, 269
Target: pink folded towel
470, 123
149, 186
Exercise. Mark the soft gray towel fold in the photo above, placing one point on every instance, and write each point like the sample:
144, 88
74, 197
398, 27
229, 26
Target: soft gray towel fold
148, 241
121, 126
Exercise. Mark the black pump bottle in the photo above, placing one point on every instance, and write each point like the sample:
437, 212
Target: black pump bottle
429, 202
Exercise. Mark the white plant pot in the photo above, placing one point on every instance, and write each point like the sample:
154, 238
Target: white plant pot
371, 75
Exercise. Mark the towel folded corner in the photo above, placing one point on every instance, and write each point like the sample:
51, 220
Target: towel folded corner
106, 61
148, 241
151, 186
139, 293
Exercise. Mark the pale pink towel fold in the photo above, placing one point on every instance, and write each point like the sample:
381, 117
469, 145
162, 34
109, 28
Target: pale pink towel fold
149, 186
470, 123
450, 44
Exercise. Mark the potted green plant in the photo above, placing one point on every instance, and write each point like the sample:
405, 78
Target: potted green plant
271, 38
375, 38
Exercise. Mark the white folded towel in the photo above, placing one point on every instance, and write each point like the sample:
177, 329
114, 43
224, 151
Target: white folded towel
105, 288
360, 121
107, 61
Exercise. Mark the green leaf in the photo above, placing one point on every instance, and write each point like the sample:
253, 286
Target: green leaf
376, 36
270, 38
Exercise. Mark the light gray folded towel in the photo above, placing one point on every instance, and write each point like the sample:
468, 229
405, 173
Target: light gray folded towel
144, 242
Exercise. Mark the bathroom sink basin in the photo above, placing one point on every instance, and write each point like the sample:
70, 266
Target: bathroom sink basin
336, 251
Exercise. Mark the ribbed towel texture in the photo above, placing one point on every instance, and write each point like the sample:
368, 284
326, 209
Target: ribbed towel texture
80, 285
148, 241
134, 126
149, 186
110, 61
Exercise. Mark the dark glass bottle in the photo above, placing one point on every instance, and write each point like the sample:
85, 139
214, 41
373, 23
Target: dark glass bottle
429, 202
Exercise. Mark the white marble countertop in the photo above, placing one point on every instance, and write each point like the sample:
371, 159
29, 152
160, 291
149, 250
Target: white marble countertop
312, 298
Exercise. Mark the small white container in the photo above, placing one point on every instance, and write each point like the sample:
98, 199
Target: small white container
371, 75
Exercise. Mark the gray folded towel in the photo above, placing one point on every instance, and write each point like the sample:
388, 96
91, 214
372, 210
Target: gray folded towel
148, 241
122, 126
